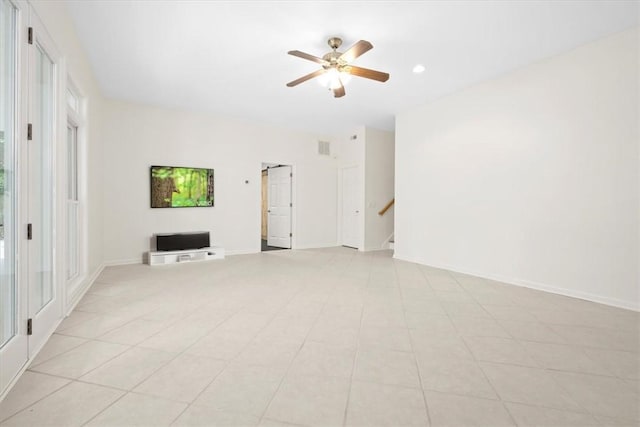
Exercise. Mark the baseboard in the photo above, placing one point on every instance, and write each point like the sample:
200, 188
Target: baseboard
613, 302
375, 249
243, 252
81, 292
323, 246
130, 261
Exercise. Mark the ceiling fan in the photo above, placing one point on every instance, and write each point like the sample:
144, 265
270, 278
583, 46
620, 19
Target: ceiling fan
338, 65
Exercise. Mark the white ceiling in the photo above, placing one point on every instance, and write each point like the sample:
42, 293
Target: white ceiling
230, 57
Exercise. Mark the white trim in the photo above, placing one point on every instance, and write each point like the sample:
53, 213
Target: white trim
77, 119
305, 247
613, 302
247, 251
129, 261
82, 290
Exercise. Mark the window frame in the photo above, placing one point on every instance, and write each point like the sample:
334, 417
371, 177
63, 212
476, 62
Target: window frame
75, 106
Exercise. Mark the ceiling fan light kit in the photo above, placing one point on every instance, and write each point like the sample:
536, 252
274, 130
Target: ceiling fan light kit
336, 66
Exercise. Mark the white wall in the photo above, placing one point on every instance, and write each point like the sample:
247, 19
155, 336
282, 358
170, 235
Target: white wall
531, 178
140, 136
372, 152
60, 27
379, 187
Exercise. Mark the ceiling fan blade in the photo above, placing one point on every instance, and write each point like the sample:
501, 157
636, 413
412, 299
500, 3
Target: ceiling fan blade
305, 78
307, 56
339, 92
367, 73
356, 50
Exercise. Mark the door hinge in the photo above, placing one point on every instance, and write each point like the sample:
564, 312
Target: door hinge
291, 205
291, 174
29, 131
30, 327
290, 234
29, 232
30, 35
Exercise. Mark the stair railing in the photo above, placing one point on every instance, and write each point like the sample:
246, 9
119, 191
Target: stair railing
387, 206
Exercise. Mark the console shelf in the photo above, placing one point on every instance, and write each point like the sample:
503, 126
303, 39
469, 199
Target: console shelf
189, 255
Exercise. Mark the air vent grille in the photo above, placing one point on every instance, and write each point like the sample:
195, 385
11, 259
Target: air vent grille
324, 148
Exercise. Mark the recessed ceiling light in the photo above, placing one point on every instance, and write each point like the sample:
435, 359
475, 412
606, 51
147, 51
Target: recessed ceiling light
418, 69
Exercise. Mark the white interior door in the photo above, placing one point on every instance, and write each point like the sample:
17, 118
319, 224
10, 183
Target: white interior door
351, 207
279, 207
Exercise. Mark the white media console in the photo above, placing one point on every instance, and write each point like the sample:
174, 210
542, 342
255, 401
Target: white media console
187, 255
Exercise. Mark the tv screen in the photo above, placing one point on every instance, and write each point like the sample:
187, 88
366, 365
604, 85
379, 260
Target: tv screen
178, 187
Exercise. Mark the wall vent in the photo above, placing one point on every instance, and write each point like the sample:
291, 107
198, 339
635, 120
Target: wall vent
324, 148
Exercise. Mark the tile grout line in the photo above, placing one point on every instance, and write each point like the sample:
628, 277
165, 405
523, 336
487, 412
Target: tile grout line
413, 350
300, 288
266, 409
355, 358
493, 387
2, 420
228, 362
164, 365
126, 392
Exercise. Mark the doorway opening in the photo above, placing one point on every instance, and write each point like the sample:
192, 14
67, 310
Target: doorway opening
276, 207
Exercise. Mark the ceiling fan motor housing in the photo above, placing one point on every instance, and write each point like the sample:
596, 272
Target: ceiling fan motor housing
334, 42
333, 58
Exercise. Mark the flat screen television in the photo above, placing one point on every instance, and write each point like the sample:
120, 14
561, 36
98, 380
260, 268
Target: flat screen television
179, 187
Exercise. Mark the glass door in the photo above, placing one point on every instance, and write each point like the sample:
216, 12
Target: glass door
13, 341
41, 179
44, 302
29, 293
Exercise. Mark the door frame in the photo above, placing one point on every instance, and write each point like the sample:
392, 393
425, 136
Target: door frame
47, 318
294, 200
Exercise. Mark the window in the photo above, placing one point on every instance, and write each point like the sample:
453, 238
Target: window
73, 252
74, 208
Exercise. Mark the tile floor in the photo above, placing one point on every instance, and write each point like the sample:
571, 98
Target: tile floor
329, 337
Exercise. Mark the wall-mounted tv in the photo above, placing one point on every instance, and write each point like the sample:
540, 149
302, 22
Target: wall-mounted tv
178, 187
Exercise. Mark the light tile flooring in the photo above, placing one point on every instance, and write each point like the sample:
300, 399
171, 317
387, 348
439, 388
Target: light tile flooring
329, 337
